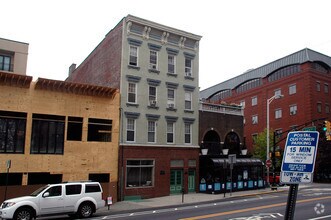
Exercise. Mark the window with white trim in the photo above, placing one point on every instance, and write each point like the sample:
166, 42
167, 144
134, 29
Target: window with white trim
278, 93
170, 132
133, 60
293, 109
254, 119
242, 104
132, 92
188, 67
151, 132
278, 113
171, 64
153, 59
188, 133
171, 98
318, 86
254, 100
326, 88
130, 129
152, 95
188, 100
292, 89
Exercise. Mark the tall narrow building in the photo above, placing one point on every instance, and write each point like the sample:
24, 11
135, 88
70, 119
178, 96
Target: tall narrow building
156, 69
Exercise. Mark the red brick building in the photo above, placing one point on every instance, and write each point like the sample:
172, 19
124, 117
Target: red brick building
304, 80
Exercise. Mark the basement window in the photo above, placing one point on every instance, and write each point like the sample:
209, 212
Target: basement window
99, 130
13, 179
44, 178
99, 177
75, 128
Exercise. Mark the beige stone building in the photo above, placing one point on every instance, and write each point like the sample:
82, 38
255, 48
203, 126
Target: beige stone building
53, 131
13, 56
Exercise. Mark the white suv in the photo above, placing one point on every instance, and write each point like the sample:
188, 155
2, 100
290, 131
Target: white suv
80, 199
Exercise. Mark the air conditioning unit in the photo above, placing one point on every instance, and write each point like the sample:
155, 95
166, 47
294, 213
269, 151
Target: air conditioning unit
171, 105
152, 66
152, 102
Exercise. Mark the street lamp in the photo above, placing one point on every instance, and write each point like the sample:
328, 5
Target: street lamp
276, 96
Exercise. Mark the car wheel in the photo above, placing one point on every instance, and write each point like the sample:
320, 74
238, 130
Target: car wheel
85, 210
23, 214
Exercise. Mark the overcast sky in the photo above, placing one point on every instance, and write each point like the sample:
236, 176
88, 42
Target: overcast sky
237, 35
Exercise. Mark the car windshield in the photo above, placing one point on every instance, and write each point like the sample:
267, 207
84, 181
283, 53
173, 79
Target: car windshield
35, 193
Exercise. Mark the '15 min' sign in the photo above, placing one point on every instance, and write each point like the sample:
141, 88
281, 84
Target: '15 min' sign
299, 157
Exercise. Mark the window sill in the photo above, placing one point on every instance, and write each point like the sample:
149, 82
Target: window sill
189, 77
152, 107
172, 74
133, 67
172, 109
189, 111
154, 71
132, 104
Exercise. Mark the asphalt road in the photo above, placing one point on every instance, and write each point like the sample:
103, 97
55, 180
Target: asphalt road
313, 203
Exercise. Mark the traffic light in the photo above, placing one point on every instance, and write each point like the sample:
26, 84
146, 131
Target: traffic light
327, 130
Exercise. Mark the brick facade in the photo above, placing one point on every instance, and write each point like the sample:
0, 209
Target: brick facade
103, 65
162, 157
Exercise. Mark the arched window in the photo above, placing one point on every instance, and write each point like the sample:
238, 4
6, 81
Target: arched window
211, 141
283, 72
221, 95
249, 85
232, 142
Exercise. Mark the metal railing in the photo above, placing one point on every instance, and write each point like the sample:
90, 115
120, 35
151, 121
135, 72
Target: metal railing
222, 108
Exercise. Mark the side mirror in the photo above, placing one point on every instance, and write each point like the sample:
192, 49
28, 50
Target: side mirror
46, 194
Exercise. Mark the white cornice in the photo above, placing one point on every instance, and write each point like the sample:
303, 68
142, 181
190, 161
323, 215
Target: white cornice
162, 27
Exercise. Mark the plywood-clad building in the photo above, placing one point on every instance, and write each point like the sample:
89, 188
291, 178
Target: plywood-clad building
53, 131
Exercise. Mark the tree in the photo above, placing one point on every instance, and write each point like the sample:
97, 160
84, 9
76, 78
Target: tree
260, 144
260, 147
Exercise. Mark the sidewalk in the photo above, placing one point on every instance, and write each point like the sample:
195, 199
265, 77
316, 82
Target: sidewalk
191, 198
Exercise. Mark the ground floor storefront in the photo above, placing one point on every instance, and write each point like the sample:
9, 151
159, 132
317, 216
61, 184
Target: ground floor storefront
147, 172
217, 175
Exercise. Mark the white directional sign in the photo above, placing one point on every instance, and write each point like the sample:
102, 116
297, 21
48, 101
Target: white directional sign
299, 157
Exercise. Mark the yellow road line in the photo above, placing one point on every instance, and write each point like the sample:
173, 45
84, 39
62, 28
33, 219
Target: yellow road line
252, 209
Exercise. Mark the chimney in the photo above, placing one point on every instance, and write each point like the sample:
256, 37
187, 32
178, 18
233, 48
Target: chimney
72, 68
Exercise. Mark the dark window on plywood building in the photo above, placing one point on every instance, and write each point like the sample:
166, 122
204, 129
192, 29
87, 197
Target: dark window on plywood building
75, 128
99, 130
44, 178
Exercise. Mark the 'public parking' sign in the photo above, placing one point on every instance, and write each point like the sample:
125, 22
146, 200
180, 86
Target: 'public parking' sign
299, 157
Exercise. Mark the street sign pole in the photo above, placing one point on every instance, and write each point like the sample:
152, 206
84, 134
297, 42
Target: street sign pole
291, 201
232, 160
298, 164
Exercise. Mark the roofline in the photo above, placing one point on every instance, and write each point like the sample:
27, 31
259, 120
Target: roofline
299, 57
14, 41
162, 27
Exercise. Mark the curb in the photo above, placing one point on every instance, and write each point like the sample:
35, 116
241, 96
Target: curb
110, 211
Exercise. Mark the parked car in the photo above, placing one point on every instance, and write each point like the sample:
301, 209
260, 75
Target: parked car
80, 199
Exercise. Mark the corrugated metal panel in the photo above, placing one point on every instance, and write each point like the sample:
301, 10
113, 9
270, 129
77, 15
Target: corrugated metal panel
299, 57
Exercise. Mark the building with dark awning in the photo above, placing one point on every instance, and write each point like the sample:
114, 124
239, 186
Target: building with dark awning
221, 140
